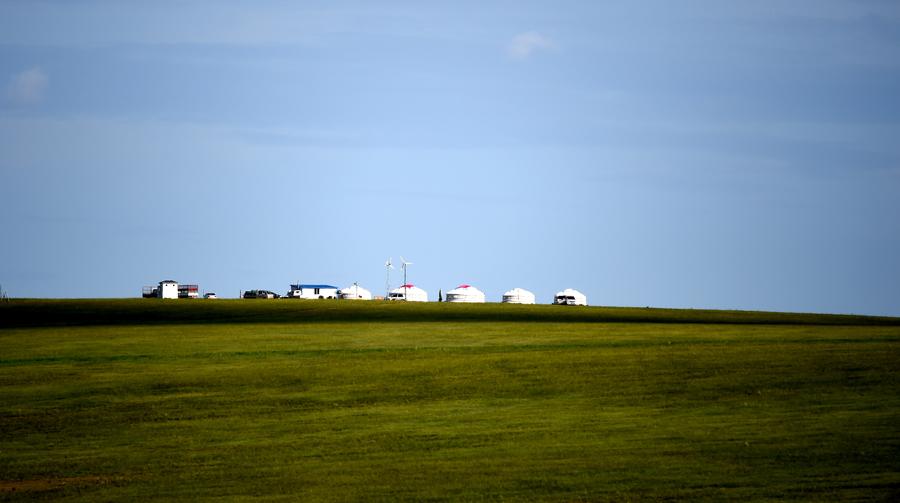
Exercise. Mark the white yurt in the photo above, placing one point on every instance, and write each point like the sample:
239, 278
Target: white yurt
518, 296
465, 293
409, 293
354, 292
570, 297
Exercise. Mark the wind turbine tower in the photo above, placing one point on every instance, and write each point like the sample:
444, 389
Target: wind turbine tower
387, 282
404, 264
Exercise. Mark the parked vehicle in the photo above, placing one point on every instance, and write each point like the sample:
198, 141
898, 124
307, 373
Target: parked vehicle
260, 294
210, 295
570, 297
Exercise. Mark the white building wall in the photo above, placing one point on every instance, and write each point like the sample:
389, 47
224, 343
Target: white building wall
314, 293
168, 290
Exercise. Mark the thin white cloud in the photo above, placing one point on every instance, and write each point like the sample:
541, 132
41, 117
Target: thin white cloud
523, 45
28, 87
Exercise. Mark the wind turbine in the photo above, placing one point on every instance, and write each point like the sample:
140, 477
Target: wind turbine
404, 264
387, 282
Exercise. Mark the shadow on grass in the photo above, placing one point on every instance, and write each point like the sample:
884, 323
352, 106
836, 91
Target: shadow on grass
86, 312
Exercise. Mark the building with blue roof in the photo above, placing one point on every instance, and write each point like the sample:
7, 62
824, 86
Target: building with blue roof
312, 291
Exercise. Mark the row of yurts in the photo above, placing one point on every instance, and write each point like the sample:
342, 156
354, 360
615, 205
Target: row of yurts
464, 293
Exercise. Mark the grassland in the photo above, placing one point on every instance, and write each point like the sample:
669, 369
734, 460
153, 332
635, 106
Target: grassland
342, 401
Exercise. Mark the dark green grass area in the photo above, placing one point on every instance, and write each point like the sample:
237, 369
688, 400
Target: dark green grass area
53, 312
442, 409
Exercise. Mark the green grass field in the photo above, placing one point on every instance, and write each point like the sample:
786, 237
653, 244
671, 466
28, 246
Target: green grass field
119, 400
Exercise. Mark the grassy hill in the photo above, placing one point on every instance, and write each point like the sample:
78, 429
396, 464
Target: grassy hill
343, 401
35, 312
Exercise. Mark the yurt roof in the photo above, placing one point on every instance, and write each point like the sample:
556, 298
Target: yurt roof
466, 289
303, 287
407, 286
518, 291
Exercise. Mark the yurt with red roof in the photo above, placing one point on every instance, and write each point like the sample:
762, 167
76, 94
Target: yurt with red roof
410, 293
465, 293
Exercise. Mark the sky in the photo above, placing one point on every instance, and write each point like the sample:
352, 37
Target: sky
703, 154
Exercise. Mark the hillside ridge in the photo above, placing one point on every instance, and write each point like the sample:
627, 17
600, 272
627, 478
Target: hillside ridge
86, 312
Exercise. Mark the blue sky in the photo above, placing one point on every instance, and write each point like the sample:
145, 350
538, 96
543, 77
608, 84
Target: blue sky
705, 154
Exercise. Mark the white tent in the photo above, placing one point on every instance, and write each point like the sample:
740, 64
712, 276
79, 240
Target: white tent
518, 296
409, 293
465, 293
354, 292
570, 297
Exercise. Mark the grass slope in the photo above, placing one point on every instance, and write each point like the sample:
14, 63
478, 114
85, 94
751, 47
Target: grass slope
428, 402
34, 312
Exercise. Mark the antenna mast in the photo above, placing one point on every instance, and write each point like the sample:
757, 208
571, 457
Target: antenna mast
404, 264
387, 282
